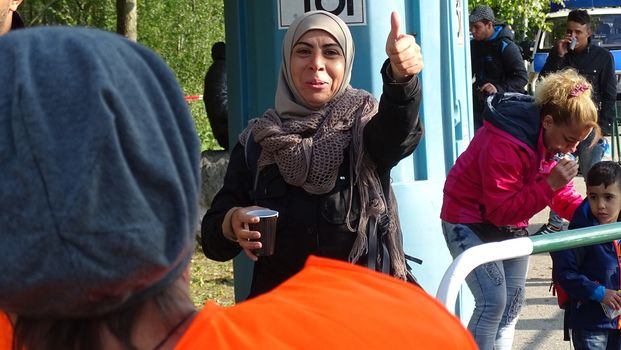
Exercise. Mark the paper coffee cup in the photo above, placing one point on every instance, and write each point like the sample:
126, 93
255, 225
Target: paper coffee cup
267, 229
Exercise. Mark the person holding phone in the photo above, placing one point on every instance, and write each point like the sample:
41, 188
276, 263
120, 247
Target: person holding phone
597, 65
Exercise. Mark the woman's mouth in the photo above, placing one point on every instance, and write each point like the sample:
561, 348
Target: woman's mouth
317, 84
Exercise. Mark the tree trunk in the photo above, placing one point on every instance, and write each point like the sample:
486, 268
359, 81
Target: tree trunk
127, 18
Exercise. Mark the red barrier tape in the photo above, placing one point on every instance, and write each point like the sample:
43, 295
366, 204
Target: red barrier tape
193, 98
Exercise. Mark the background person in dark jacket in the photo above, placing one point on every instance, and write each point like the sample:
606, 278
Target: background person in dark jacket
590, 275
9, 18
597, 65
497, 63
215, 95
324, 158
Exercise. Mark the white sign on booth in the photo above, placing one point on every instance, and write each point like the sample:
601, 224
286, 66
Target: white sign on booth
352, 12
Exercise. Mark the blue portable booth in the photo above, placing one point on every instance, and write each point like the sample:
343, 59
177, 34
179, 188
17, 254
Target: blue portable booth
254, 32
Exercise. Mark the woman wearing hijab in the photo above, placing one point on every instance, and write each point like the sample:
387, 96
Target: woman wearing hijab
99, 184
321, 158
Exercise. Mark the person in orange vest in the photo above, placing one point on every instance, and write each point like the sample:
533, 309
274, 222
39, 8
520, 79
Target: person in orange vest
100, 180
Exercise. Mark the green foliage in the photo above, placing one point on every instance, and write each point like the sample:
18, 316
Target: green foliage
524, 16
181, 31
208, 141
100, 14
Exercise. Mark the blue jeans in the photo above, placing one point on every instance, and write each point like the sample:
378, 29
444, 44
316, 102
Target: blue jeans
498, 289
596, 339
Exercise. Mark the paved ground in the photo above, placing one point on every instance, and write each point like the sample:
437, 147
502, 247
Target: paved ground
541, 321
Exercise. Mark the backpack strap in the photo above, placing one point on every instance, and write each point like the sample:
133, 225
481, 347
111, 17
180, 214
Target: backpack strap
566, 318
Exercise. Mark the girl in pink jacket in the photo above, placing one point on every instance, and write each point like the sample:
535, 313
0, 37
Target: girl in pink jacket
508, 173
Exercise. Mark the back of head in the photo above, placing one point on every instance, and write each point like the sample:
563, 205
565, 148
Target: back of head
579, 16
566, 96
218, 51
98, 173
604, 173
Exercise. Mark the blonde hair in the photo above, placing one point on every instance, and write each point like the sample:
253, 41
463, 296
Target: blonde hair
566, 96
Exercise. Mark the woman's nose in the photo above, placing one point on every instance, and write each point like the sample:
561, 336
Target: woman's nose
317, 62
573, 147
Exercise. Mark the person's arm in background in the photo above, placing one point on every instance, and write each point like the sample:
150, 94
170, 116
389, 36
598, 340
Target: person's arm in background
514, 70
554, 62
566, 201
509, 198
396, 129
608, 88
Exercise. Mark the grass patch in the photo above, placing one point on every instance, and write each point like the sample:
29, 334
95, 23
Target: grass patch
211, 280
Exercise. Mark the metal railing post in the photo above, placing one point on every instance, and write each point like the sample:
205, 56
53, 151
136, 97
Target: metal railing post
513, 248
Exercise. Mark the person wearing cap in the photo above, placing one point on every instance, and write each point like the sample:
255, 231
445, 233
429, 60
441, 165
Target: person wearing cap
596, 64
100, 184
9, 17
497, 64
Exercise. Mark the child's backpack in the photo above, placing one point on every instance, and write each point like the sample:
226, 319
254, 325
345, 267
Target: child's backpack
562, 298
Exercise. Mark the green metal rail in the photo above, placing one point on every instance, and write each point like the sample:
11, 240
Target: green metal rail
513, 248
576, 238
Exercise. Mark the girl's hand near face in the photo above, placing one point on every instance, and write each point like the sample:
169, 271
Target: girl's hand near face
403, 51
564, 171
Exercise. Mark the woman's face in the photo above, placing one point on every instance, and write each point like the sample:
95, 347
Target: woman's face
563, 138
317, 67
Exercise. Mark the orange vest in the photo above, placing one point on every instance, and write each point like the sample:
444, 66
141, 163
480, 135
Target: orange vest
6, 332
331, 305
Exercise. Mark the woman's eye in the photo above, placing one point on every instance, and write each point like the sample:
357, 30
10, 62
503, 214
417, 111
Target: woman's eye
303, 51
332, 53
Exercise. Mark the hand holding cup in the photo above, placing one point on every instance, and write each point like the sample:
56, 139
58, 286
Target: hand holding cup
564, 171
250, 234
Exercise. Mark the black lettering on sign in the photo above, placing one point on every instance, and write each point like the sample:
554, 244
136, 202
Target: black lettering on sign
337, 11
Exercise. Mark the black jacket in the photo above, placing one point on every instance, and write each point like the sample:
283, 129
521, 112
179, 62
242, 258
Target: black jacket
313, 224
597, 65
215, 96
498, 61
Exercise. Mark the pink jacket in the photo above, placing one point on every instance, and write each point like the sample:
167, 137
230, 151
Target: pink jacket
500, 180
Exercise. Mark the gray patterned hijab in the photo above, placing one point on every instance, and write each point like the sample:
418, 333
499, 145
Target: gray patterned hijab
288, 100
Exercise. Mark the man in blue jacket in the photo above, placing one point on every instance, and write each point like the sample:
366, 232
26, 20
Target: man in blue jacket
497, 63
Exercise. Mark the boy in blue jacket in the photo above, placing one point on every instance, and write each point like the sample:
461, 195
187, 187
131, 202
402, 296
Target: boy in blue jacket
590, 275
